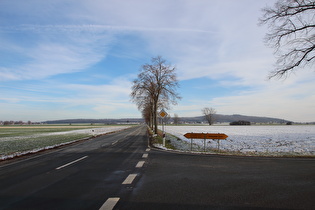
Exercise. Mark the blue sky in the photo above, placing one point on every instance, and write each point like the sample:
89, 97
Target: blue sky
64, 59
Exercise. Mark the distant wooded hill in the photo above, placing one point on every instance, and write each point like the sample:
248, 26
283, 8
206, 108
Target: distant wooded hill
220, 118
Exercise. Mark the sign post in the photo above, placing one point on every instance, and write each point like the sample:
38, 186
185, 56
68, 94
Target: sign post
205, 136
163, 114
191, 144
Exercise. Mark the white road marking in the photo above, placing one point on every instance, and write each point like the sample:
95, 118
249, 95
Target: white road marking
60, 167
147, 150
109, 204
130, 179
115, 142
145, 155
140, 164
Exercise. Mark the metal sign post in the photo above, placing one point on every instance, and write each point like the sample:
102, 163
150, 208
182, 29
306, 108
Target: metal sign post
163, 114
204, 136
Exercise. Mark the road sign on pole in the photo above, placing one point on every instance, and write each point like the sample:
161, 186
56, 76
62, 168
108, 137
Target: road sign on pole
163, 114
205, 135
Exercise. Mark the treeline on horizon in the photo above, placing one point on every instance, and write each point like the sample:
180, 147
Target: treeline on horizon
220, 118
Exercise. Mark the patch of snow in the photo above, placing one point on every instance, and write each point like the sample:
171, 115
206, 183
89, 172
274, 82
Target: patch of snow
160, 146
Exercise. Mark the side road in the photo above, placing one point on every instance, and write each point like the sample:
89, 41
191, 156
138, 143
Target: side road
187, 181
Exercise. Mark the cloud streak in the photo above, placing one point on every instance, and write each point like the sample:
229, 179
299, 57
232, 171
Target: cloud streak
56, 54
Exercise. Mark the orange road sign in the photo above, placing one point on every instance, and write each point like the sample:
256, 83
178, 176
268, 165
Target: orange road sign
163, 113
205, 136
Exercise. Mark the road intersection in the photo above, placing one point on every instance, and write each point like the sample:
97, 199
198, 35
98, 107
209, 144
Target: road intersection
120, 171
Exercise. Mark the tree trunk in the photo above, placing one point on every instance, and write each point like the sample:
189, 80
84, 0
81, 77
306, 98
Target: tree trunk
155, 117
151, 119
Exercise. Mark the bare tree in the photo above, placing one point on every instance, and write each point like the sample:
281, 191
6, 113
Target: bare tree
156, 85
292, 34
147, 115
209, 114
167, 119
176, 119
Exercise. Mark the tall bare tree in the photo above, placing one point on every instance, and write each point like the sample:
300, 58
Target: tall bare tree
292, 34
147, 113
167, 119
209, 114
156, 84
176, 119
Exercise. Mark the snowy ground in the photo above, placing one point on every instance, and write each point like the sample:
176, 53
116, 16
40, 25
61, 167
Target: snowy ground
269, 140
17, 145
88, 132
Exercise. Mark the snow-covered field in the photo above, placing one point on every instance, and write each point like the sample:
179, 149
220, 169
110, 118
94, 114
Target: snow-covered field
15, 143
270, 140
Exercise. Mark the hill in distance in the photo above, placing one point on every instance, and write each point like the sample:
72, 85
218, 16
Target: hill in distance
220, 118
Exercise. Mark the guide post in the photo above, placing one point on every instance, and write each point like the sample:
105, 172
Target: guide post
205, 136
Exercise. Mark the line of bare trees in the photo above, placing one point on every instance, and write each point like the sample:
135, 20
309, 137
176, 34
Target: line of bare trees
11, 122
155, 88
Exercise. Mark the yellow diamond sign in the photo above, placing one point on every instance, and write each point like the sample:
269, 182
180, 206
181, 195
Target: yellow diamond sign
163, 113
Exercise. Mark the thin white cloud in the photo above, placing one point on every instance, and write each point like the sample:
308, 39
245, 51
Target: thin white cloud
65, 53
97, 101
292, 99
98, 28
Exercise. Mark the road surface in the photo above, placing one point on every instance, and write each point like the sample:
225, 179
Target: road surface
182, 181
81, 176
119, 171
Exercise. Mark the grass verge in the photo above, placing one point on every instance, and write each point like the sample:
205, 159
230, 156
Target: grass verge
158, 139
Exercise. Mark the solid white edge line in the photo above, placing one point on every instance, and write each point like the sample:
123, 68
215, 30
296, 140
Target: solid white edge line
130, 179
60, 167
140, 164
109, 204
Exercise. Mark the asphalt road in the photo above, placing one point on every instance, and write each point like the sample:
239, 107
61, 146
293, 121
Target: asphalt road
182, 181
81, 176
118, 171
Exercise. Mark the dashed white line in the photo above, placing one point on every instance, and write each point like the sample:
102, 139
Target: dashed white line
60, 167
109, 204
145, 155
130, 179
115, 142
147, 150
140, 164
